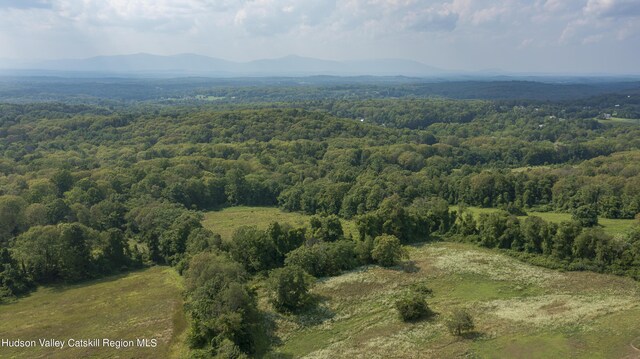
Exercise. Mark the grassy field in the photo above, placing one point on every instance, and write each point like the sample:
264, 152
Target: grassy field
611, 226
632, 121
520, 311
530, 168
225, 221
141, 304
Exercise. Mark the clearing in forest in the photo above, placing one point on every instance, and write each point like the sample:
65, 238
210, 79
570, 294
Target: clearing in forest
520, 311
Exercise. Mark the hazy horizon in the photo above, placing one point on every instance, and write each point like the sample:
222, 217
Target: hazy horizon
31, 65
533, 36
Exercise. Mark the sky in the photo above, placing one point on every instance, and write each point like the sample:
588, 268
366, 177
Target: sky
549, 36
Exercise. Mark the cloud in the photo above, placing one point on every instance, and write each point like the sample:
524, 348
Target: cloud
377, 18
426, 30
612, 8
602, 20
25, 4
266, 18
271, 17
480, 12
140, 14
434, 18
562, 7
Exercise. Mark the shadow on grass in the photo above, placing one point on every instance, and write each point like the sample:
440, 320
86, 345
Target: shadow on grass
409, 267
473, 335
278, 356
63, 286
427, 317
266, 338
315, 312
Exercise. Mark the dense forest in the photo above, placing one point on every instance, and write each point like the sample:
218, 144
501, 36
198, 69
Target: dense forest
88, 189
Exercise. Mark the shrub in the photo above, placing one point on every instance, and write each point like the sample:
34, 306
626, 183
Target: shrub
421, 288
387, 250
413, 307
460, 322
229, 350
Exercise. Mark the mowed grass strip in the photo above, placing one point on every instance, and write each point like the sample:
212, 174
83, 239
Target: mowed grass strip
226, 221
137, 305
620, 120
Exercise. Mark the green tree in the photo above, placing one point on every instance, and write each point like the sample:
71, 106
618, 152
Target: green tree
289, 288
236, 186
37, 250
363, 250
107, 214
58, 211
36, 215
328, 228
63, 181
254, 249
466, 223
324, 258
493, 229
387, 250
202, 240
13, 281
75, 251
11, 216
115, 252
219, 303
564, 238
412, 306
173, 242
285, 238
41, 191
533, 231
460, 322
586, 215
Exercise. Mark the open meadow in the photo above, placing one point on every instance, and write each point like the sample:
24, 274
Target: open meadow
137, 305
610, 226
520, 311
225, 221
620, 120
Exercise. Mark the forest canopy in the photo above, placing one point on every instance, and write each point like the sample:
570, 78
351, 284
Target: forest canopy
89, 189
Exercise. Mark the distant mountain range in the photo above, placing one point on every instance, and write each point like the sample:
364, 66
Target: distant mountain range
198, 65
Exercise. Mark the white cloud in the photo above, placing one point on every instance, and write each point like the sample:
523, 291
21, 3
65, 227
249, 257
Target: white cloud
602, 20
613, 8
433, 18
270, 17
24, 4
